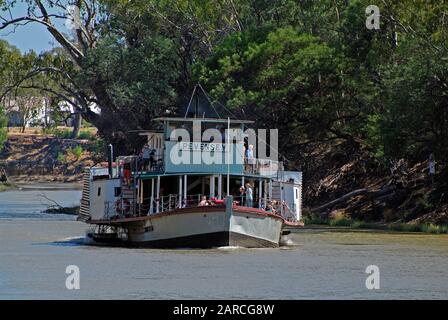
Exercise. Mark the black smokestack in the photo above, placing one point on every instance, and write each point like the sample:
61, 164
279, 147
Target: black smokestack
110, 158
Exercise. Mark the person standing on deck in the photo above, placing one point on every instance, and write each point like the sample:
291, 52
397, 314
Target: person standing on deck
152, 160
250, 158
249, 195
127, 173
146, 155
242, 193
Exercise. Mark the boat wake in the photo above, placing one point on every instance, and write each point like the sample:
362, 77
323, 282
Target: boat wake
230, 248
72, 241
286, 241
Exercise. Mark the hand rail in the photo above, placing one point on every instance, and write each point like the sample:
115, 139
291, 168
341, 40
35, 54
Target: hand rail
171, 202
263, 167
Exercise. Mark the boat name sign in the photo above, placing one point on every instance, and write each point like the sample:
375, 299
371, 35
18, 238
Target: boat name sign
203, 146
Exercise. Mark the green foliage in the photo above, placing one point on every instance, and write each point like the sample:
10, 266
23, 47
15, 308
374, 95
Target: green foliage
359, 224
60, 133
282, 78
310, 68
86, 135
138, 79
61, 158
76, 151
98, 148
340, 222
433, 228
311, 219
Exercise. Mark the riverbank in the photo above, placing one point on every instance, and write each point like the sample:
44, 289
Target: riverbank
353, 224
341, 180
38, 157
5, 187
43, 186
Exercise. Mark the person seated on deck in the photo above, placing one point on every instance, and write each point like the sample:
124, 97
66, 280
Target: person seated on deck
272, 206
203, 202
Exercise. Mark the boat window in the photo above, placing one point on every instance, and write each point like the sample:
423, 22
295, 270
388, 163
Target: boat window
99, 191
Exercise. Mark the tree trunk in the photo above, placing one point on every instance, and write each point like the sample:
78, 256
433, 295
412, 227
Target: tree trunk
76, 125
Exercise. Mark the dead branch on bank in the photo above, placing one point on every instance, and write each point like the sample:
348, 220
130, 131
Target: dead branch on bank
56, 208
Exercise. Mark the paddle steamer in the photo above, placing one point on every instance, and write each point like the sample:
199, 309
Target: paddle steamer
170, 203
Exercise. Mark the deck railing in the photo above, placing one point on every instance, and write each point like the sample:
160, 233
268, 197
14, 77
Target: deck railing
118, 209
262, 167
138, 165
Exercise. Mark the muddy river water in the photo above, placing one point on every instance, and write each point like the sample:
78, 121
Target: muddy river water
36, 248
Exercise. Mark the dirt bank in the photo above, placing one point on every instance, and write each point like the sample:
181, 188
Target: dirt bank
46, 158
346, 182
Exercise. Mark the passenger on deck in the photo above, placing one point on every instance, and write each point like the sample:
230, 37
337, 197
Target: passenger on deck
146, 155
250, 158
127, 173
152, 160
203, 202
242, 193
271, 206
140, 160
249, 195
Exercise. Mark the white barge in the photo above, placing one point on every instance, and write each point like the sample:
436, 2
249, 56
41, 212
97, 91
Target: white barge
167, 203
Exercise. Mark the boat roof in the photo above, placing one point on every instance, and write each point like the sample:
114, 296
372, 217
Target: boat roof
216, 120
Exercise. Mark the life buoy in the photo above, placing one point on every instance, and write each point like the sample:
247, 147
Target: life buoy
122, 206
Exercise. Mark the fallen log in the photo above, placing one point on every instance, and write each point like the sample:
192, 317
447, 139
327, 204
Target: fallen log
341, 199
370, 194
62, 210
56, 208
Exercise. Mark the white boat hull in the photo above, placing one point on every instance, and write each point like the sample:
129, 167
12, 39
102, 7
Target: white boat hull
202, 227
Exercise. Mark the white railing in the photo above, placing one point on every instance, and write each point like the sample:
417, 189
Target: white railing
263, 167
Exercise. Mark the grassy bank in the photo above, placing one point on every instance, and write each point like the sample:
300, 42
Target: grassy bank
358, 224
6, 186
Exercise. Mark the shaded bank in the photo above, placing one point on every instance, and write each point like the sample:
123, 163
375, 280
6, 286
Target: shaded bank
342, 181
348, 223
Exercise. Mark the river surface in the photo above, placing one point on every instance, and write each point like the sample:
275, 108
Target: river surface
36, 248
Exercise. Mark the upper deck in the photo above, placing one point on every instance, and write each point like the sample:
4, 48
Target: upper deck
208, 146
